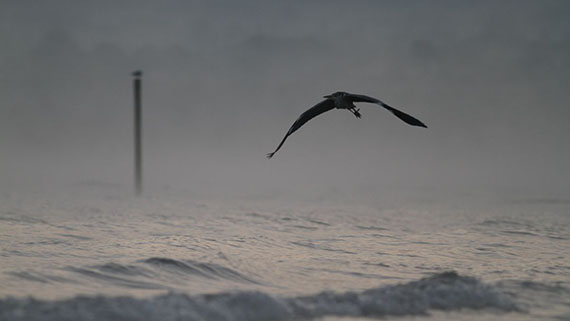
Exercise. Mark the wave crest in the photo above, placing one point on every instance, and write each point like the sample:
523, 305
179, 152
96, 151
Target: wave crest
205, 270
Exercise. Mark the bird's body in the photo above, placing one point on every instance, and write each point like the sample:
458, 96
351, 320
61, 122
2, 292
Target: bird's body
344, 100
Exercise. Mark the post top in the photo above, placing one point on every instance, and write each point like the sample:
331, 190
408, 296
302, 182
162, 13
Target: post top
137, 73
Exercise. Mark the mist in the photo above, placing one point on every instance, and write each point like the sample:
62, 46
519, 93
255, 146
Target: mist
223, 81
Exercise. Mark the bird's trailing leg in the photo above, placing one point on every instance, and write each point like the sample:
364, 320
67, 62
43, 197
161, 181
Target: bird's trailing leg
355, 112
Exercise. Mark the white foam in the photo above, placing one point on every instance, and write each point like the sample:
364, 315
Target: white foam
446, 291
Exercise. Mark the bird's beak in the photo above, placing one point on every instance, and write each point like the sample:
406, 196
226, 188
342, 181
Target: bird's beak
327, 96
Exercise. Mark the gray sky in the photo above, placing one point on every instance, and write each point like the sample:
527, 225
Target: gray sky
224, 80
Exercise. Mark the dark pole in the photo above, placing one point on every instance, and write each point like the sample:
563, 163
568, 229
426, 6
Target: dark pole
138, 132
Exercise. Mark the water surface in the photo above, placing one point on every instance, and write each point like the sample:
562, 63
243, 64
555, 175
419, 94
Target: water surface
82, 256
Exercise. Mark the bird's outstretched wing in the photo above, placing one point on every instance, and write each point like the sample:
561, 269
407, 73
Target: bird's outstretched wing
311, 113
409, 119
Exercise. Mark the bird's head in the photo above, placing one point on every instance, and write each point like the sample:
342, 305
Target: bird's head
336, 94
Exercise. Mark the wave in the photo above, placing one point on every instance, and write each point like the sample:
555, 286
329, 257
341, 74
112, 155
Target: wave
151, 273
445, 291
205, 270
122, 280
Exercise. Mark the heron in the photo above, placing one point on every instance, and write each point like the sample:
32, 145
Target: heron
344, 100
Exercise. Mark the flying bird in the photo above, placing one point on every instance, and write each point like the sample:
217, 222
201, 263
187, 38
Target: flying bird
344, 100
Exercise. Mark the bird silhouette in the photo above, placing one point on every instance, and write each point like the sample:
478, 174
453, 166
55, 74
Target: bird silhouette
344, 100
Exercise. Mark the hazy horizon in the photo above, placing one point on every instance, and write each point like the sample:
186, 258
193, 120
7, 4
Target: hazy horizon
223, 81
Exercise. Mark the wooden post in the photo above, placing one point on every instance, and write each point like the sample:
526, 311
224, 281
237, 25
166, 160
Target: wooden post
137, 84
